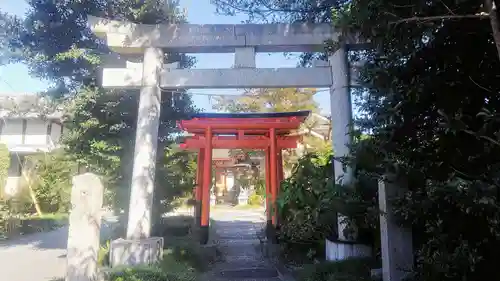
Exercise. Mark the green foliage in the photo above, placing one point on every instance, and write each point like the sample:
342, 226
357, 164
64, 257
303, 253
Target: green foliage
346, 270
51, 175
57, 45
175, 179
256, 199
302, 204
430, 104
139, 273
103, 254
309, 202
269, 100
183, 260
4, 164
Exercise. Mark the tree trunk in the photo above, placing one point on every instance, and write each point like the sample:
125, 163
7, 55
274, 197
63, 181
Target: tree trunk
27, 174
34, 200
494, 22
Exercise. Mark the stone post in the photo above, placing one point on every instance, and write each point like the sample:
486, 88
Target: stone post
148, 121
341, 115
84, 228
243, 196
396, 241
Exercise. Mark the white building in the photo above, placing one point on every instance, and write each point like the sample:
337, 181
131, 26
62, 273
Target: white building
25, 129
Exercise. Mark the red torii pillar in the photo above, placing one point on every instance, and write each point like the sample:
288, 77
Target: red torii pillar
199, 187
205, 192
274, 176
269, 224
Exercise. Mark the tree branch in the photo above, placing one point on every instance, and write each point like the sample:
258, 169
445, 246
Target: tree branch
444, 17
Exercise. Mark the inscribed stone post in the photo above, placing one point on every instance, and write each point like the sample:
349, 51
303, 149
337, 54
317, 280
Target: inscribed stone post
396, 241
84, 228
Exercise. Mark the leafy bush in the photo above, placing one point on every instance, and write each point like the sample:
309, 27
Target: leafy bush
346, 270
42, 224
103, 254
300, 204
52, 174
309, 202
175, 179
465, 249
255, 199
139, 273
4, 165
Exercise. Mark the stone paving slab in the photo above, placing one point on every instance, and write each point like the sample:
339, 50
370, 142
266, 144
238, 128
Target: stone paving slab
249, 273
237, 240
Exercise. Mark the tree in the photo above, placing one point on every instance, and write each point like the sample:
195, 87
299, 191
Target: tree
58, 45
430, 102
365, 13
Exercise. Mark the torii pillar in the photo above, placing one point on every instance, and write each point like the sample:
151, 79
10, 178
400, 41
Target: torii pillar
139, 247
346, 246
146, 138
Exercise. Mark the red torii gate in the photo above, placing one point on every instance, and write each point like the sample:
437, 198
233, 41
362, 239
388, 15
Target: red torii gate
265, 131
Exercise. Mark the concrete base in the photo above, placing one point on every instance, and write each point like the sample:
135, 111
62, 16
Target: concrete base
242, 200
204, 234
136, 252
342, 250
376, 274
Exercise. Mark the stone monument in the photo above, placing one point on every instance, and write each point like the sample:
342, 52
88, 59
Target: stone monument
84, 228
395, 241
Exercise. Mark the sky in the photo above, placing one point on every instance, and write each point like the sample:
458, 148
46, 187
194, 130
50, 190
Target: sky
15, 78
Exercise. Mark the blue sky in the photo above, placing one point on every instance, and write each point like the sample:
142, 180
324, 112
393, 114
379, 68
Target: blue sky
16, 79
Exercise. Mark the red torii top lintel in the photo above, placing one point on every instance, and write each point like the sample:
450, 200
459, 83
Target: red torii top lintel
243, 130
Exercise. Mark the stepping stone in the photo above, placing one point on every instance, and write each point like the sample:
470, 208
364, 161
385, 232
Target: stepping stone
253, 273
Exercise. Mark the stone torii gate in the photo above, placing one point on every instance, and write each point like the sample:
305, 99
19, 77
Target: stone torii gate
148, 44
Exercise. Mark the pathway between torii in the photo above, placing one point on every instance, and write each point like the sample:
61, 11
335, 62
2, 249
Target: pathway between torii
237, 238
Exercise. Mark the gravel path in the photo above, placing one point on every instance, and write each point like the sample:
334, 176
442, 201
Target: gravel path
39, 256
35, 257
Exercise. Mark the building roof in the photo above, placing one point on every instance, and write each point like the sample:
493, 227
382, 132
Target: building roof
251, 114
28, 106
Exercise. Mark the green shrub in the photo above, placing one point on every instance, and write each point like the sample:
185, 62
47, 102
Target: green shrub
42, 224
103, 254
309, 202
52, 175
4, 165
255, 199
346, 270
142, 273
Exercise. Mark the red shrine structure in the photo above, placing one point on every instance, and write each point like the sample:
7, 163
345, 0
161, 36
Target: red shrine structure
270, 132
